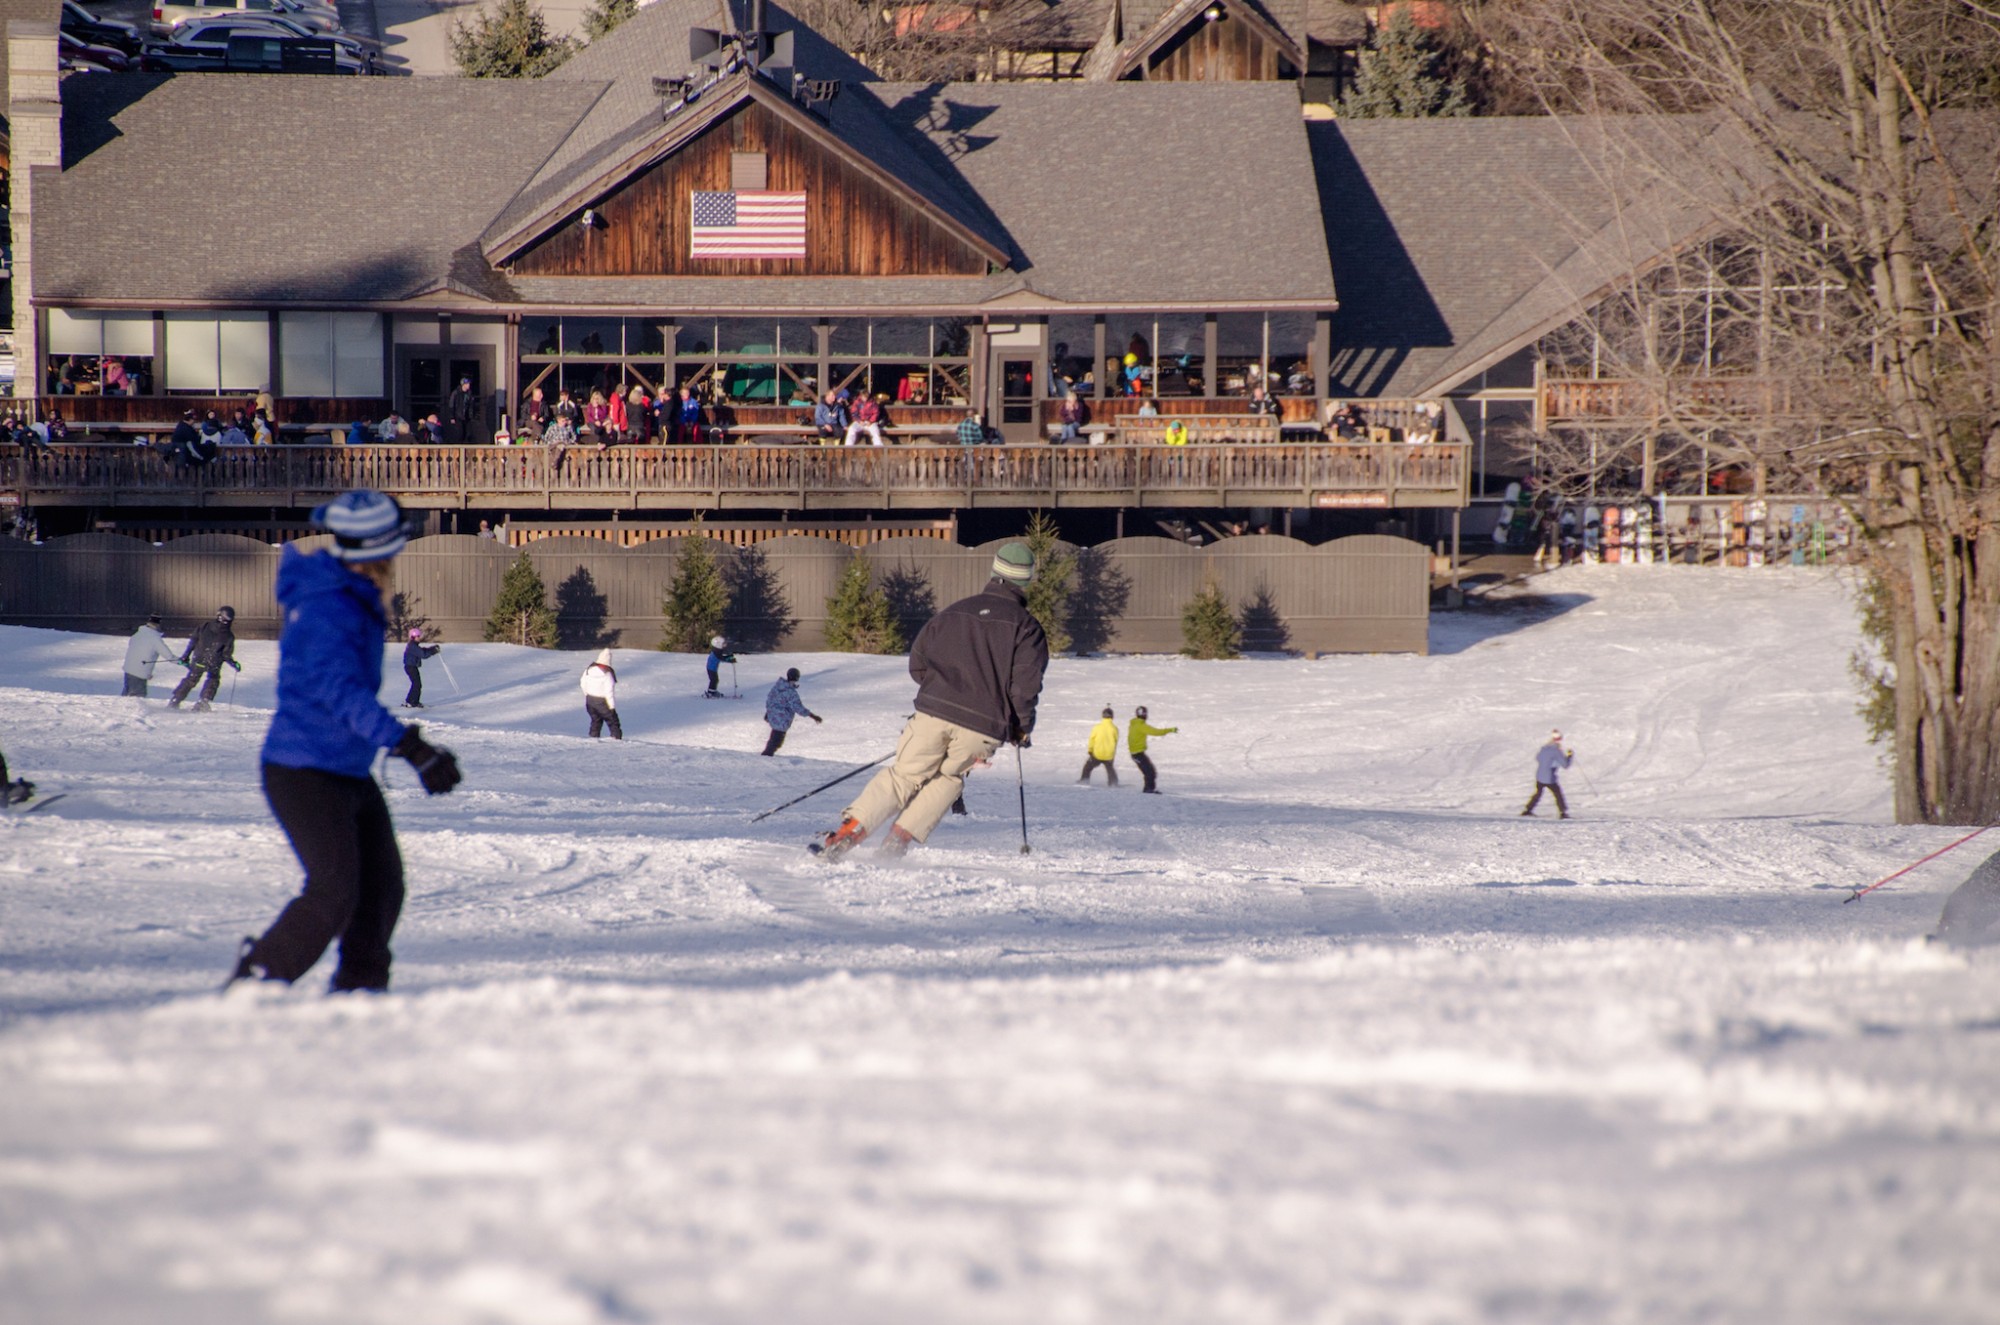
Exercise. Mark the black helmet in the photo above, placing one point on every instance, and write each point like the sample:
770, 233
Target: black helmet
225, 614
791, 673
1139, 712
1108, 713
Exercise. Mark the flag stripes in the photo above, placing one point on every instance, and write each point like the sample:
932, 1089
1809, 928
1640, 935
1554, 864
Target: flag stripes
749, 225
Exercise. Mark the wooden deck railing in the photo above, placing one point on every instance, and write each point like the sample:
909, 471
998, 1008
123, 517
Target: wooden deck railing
751, 477
1625, 400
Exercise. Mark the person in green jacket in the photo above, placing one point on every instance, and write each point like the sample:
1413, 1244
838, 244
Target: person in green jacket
1103, 748
1135, 743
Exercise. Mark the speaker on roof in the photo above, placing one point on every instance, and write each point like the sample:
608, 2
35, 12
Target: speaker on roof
703, 43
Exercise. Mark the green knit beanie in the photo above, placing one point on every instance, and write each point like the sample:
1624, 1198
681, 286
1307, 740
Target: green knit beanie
1014, 563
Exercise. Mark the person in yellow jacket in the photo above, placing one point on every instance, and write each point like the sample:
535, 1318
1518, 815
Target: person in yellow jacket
1103, 748
1135, 743
1176, 434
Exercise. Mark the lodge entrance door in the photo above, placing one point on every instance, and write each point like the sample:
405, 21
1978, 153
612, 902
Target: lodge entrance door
426, 375
1011, 384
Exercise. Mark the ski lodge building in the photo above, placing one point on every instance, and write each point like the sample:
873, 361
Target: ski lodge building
357, 246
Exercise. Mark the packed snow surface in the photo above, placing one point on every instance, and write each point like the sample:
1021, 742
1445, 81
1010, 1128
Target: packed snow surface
1325, 1033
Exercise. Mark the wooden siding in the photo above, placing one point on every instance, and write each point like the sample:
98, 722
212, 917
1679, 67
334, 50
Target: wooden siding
797, 478
1363, 594
1225, 51
855, 225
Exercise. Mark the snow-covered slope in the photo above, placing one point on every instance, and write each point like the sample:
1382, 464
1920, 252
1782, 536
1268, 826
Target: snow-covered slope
1326, 1033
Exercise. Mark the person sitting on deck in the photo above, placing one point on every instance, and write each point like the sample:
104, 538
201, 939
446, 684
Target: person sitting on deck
1176, 433
829, 419
867, 418
1263, 406
972, 430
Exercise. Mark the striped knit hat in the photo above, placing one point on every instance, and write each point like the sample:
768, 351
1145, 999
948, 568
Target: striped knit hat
366, 526
1014, 563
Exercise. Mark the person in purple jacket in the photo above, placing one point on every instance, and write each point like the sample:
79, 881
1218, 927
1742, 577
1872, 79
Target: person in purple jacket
322, 741
1548, 760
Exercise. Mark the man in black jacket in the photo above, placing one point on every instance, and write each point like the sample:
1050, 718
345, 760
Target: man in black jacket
414, 654
212, 645
978, 667
462, 410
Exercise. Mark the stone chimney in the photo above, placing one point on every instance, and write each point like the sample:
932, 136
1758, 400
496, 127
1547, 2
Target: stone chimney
34, 119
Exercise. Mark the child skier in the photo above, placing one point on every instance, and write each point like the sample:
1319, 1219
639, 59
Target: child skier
323, 737
1102, 748
16, 791
1548, 759
717, 657
600, 696
146, 648
1135, 745
212, 645
414, 654
781, 706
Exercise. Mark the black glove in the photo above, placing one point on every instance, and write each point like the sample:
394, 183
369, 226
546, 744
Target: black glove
815, 717
437, 769
1021, 739
237, 665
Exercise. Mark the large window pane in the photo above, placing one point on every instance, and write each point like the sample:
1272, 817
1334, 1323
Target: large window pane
244, 346
951, 338
76, 333
305, 353
797, 339
848, 339
128, 333
746, 335
192, 363
644, 336
1180, 355
541, 337
894, 336
1291, 352
1072, 343
593, 335
1239, 351
357, 354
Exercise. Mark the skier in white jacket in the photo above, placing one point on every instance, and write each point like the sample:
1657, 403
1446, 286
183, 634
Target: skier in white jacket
600, 696
147, 647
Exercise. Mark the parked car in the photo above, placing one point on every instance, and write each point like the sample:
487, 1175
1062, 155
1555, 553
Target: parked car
169, 14
258, 54
88, 27
72, 52
214, 33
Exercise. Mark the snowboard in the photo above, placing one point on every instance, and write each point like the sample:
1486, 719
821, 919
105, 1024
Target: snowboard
1756, 516
1642, 525
1503, 526
1593, 535
1613, 538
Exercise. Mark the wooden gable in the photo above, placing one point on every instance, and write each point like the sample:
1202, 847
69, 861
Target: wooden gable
1235, 48
856, 223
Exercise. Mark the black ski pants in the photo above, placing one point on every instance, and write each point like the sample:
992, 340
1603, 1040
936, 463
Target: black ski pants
602, 715
714, 682
777, 739
340, 828
210, 679
1146, 768
1092, 761
415, 699
1554, 790
134, 685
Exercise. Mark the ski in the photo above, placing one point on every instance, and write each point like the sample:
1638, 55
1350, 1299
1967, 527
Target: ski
39, 803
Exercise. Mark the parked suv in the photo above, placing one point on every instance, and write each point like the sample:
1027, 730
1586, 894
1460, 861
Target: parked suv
214, 34
88, 27
268, 53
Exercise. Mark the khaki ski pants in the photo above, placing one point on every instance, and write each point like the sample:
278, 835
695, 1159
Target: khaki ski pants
932, 757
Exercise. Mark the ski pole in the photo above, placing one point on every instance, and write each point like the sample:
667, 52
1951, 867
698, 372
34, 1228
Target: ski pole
823, 786
1863, 892
234, 672
1021, 785
448, 676
734, 693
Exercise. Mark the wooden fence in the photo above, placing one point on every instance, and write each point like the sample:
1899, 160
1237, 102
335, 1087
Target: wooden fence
1363, 594
752, 477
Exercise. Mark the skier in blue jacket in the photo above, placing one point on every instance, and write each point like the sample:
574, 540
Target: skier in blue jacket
322, 740
1548, 759
781, 706
718, 654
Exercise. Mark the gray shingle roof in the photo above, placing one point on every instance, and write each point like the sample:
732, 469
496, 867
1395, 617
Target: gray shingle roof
1438, 230
230, 187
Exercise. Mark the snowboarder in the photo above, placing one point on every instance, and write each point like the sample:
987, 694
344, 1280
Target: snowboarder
147, 647
17, 790
781, 706
600, 696
323, 737
1135, 745
1102, 748
717, 657
978, 666
211, 646
414, 654
1548, 760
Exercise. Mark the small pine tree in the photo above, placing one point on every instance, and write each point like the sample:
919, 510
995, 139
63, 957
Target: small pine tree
858, 619
695, 600
509, 41
1208, 626
521, 614
1054, 582
604, 15
1403, 76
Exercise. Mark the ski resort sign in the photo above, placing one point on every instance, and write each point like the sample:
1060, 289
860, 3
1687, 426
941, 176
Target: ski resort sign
1328, 500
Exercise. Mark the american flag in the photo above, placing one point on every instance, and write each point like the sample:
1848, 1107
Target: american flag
750, 225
